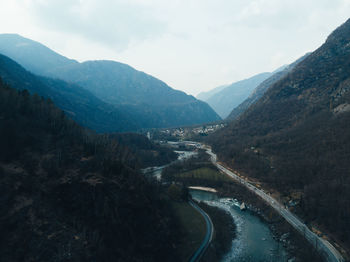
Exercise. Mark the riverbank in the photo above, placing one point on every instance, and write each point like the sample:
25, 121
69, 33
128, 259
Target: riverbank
192, 228
321, 244
253, 240
192, 173
224, 232
296, 245
199, 171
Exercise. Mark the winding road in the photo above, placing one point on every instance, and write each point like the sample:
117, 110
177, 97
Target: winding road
322, 245
208, 235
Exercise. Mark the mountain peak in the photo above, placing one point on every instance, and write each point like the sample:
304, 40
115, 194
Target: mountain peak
139, 97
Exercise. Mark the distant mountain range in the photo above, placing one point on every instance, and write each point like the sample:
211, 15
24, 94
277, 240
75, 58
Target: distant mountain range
224, 99
204, 96
260, 90
137, 99
296, 137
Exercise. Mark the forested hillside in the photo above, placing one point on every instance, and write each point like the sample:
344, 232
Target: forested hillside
148, 152
144, 100
296, 138
68, 194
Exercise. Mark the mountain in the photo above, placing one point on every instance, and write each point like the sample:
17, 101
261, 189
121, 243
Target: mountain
232, 95
149, 101
71, 195
204, 96
78, 103
296, 137
153, 102
260, 90
119, 83
32, 55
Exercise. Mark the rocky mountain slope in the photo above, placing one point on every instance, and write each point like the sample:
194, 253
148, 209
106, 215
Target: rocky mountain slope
296, 138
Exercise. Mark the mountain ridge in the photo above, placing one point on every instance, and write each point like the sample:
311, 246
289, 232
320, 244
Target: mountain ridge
49, 59
296, 137
207, 94
90, 74
77, 102
150, 102
225, 100
259, 91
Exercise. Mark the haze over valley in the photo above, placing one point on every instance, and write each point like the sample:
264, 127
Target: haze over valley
105, 154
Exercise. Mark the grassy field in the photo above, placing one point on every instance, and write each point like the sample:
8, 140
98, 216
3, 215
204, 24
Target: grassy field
193, 226
205, 173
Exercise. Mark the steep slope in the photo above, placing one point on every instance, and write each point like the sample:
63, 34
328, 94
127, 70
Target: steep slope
119, 83
260, 90
204, 96
149, 100
77, 102
71, 195
296, 138
231, 96
31, 55
153, 102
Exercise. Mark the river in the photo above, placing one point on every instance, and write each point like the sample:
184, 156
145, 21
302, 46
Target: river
156, 171
254, 240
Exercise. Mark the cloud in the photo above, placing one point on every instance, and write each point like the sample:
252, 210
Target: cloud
115, 23
193, 45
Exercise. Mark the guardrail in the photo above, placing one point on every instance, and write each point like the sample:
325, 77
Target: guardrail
208, 236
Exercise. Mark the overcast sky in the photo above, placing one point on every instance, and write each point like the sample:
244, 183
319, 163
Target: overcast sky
192, 45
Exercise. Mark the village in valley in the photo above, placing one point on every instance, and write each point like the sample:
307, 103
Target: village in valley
182, 133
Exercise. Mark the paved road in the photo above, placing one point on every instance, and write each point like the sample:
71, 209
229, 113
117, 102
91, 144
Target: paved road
208, 236
322, 245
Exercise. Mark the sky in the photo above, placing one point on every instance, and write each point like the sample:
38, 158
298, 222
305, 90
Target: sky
192, 45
